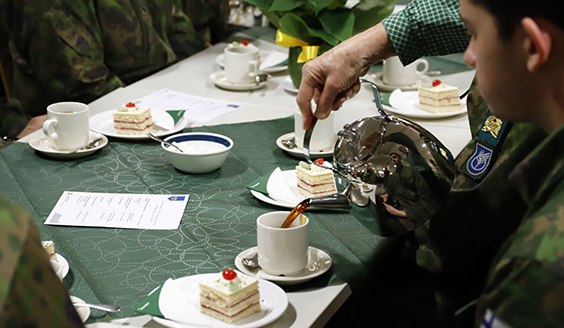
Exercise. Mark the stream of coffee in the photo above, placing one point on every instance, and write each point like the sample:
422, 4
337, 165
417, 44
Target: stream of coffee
302, 206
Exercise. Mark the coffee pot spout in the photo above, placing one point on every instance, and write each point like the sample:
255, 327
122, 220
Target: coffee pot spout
341, 200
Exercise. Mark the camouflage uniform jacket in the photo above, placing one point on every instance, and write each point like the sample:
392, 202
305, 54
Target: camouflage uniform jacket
12, 119
80, 50
526, 284
478, 215
31, 294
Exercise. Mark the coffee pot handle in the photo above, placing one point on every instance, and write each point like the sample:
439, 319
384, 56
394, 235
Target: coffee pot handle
377, 98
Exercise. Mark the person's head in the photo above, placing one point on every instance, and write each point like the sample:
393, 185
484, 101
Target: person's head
396, 158
508, 15
517, 49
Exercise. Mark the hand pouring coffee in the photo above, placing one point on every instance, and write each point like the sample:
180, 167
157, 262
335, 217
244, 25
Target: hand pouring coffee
410, 169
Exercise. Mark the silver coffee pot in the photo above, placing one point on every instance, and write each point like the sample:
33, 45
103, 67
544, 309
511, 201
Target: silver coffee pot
393, 174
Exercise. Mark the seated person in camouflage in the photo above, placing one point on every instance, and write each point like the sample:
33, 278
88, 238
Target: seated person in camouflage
518, 53
81, 50
480, 210
13, 122
31, 294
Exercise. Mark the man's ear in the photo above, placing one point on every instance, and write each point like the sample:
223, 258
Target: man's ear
538, 44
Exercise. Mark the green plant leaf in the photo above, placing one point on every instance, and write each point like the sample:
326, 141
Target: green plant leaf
338, 22
295, 26
327, 37
287, 5
337, 4
274, 17
295, 68
323, 21
370, 12
319, 5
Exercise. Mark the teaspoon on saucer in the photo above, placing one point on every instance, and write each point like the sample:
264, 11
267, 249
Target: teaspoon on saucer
261, 78
289, 143
251, 263
93, 144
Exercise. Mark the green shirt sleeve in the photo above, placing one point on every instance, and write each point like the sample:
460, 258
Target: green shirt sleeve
427, 28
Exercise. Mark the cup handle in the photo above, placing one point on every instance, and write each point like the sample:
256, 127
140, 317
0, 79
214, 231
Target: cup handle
425, 64
49, 128
254, 65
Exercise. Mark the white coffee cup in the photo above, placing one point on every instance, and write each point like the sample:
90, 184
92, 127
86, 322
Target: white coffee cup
282, 251
397, 74
58, 268
67, 125
241, 64
322, 138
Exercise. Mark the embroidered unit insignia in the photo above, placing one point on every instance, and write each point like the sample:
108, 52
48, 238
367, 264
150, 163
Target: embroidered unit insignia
480, 160
490, 321
444, 153
493, 125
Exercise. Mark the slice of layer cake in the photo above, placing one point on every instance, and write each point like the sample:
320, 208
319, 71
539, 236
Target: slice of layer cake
229, 296
133, 120
50, 249
315, 181
439, 98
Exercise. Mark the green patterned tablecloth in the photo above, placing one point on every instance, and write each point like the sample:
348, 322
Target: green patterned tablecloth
120, 266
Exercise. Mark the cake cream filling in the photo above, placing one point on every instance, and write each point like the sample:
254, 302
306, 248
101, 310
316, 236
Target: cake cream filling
252, 309
131, 120
221, 303
122, 126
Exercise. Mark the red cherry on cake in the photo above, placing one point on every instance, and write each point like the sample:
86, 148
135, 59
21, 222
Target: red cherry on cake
436, 82
229, 274
130, 104
245, 42
319, 161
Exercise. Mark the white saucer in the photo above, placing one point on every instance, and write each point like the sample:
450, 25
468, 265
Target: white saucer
268, 200
288, 85
421, 80
219, 79
400, 104
318, 263
43, 145
83, 311
104, 123
220, 61
299, 152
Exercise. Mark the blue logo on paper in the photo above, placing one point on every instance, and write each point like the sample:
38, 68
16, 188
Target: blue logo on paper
478, 163
176, 198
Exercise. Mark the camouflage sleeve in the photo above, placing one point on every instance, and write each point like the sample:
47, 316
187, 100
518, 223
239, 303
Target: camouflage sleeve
523, 293
67, 54
31, 294
183, 37
12, 118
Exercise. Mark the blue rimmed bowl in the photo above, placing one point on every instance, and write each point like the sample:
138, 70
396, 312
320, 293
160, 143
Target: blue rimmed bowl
203, 152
